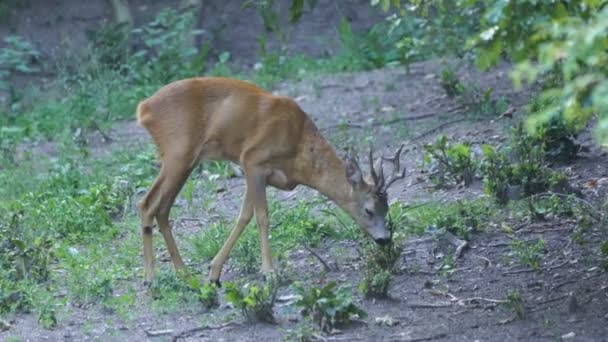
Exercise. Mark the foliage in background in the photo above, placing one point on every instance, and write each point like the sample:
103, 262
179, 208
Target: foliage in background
105, 82
18, 55
519, 169
449, 164
565, 38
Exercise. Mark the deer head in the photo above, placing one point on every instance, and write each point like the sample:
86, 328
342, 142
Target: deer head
369, 200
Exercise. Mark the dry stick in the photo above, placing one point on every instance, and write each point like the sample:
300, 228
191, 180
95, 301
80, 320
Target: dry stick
190, 332
481, 299
551, 300
533, 270
576, 280
459, 243
325, 265
154, 333
428, 305
498, 244
421, 339
382, 123
438, 128
542, 231
483, 258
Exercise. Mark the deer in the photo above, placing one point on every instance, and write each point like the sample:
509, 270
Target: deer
274, 142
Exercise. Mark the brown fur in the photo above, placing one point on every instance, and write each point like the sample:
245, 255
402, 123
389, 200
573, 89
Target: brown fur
273, 140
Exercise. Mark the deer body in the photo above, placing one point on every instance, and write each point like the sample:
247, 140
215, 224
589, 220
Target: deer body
272, 139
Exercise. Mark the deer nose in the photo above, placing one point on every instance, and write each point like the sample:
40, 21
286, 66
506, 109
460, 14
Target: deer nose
383, 241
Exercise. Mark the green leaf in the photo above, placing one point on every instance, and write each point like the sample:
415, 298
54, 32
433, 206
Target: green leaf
489, 56
296, 10
385, 5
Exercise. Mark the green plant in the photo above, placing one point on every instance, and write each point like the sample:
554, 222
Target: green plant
450, 82
515, 302
256, 301
528, 253
110, 45
448, 161
206, 293
519, 170
304, 331
167, 39
327, 306
379, 269
18, 55
448, 265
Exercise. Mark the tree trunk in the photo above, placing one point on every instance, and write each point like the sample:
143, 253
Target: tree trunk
196, 7
122, 14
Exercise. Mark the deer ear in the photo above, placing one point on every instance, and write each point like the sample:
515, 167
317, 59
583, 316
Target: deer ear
353, 172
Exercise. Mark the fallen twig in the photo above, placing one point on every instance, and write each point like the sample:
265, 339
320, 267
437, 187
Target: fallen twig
555, 287
498, 244
154, 333
190, 332
313, 253
438, 128
421, 339
459, 243
392, 121
542, 231
526, 270
551, 300
468, 301
488, 261
428, 305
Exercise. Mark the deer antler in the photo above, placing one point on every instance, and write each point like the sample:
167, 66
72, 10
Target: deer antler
397, 174
378, 181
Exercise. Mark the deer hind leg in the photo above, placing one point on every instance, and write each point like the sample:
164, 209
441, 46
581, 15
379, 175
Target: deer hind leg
215, 268
156, 204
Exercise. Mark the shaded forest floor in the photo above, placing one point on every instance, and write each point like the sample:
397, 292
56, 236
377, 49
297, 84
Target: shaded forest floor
567, 297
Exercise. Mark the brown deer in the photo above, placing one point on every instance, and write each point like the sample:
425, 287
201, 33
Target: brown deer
274, 142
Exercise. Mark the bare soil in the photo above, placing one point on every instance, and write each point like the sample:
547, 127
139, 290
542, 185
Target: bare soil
566, 299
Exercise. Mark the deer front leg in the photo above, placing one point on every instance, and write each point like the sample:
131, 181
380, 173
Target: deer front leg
260, 206
215, 268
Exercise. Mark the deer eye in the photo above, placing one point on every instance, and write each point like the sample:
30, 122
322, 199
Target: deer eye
369, 212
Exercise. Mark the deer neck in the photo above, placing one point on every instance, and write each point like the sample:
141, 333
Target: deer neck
323, 170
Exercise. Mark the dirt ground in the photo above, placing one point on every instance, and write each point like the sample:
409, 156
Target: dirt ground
567, 299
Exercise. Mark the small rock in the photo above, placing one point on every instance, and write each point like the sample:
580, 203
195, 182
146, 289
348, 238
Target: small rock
386, 321
606, 316
568, 336
572, 304
4, 325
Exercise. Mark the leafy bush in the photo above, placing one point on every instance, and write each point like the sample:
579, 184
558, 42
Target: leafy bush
519, 170
24, 256
449, 161
18, 55
255, 302
567, 38
327, 306
450, 82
